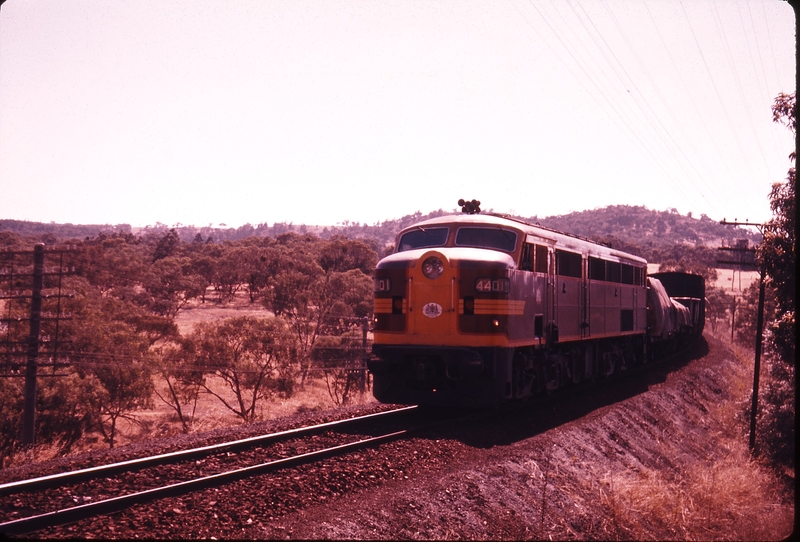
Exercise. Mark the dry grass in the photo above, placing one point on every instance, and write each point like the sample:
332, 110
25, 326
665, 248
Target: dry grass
196, 312
161, 421
729, 496
732, 498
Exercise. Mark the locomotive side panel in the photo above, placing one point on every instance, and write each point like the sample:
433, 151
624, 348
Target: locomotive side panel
529, 289
569, 295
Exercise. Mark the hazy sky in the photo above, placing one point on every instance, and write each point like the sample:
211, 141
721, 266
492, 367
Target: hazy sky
206, 112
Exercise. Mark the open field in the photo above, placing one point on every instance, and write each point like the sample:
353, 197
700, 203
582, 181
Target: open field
732, 282
735, 282
196, 312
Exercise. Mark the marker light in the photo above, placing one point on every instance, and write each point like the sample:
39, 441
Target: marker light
432, 267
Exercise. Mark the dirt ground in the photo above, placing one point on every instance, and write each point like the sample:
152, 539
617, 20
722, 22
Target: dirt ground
655, 457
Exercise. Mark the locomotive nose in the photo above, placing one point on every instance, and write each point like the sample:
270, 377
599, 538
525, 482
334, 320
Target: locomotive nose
432, 296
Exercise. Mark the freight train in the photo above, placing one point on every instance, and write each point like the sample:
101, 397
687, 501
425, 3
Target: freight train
478, 308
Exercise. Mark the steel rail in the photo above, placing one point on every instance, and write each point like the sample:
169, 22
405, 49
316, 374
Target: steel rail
63, 478
115, 504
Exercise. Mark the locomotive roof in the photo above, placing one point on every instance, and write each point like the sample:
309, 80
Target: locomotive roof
561, 239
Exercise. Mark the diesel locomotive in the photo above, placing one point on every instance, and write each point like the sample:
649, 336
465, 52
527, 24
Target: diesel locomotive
477, 309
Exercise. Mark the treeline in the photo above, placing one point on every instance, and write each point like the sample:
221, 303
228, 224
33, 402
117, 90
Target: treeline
52, 233
651, 233
121, 334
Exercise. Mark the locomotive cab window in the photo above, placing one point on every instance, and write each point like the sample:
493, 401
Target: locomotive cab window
423, 238
491, 238
541, 259
526, 259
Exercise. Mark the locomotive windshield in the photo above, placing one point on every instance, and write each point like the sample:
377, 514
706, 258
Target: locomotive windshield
492, 238
423, 238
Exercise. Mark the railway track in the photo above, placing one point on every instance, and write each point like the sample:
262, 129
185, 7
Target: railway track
72, 496
69, 477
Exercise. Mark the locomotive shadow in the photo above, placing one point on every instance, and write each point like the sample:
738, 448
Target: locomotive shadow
512, 423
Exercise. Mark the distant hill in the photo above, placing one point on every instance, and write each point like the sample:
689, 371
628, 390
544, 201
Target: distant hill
655, 235
640, 226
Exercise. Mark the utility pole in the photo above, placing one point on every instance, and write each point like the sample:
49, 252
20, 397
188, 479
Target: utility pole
29, 404
759, 328
757, 363
364, 355
14, 286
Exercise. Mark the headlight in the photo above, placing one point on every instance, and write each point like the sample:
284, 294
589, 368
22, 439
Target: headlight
432, 267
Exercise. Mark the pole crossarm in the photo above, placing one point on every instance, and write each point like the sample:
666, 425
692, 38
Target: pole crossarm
745, 223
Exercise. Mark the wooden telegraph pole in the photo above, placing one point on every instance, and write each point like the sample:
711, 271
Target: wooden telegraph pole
759, 324
21, 285
29, 404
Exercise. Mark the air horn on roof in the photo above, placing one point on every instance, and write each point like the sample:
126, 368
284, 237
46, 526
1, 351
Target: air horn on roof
470, 207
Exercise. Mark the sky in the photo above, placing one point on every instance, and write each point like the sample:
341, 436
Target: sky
196, 112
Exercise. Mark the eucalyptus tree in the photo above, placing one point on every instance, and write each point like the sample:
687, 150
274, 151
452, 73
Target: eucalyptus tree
254, 358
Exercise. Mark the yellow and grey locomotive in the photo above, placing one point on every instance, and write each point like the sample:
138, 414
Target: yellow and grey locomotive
475, 309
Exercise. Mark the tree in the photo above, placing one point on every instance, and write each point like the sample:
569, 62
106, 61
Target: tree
778, 256
184, 382
167, 245
10, 419
112, 340
62, 416
254, 358
118, 388
114, 264
229, 271
718, 304
337, 357
709, 274
319, 287
171, 284
778, 250
747, 313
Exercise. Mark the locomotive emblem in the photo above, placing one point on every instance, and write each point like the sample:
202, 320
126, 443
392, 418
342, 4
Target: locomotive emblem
432, 310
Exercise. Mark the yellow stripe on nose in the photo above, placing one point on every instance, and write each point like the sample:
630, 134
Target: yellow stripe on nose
496, 306
386, 306
383, 306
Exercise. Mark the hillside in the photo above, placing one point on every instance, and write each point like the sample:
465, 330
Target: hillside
655, 235
642, 227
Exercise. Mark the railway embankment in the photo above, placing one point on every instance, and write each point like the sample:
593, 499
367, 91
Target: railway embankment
659, 455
